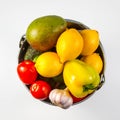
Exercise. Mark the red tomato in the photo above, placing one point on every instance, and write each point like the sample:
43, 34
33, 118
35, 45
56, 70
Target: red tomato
27, 72
75, 99
40, 89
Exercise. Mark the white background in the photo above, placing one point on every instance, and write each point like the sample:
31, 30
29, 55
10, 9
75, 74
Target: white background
15, 101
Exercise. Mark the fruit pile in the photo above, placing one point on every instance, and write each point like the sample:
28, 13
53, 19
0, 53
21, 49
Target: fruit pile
61, 64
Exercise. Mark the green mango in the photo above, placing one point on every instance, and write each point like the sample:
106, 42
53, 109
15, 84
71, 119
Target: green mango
43, 32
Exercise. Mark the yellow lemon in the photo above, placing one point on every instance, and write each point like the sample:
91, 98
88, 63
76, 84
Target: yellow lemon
91, 41
69, 45
48, 64
94, 60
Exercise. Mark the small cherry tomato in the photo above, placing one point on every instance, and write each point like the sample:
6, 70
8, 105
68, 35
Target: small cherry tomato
40, 89
27, 72
75, 99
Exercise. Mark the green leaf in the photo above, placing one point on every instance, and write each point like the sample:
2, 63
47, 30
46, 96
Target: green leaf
31, 53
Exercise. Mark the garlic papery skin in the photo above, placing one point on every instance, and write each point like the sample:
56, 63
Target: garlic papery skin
61, 98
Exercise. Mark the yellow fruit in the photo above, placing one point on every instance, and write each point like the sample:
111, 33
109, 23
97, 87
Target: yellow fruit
69, 45
91, 41
80, 78
48, 64
94, 60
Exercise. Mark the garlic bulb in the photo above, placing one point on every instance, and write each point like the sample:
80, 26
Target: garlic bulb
61, 98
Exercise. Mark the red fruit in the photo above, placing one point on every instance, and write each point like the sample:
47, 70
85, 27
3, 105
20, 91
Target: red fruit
27, 72
40, 89
75, 99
